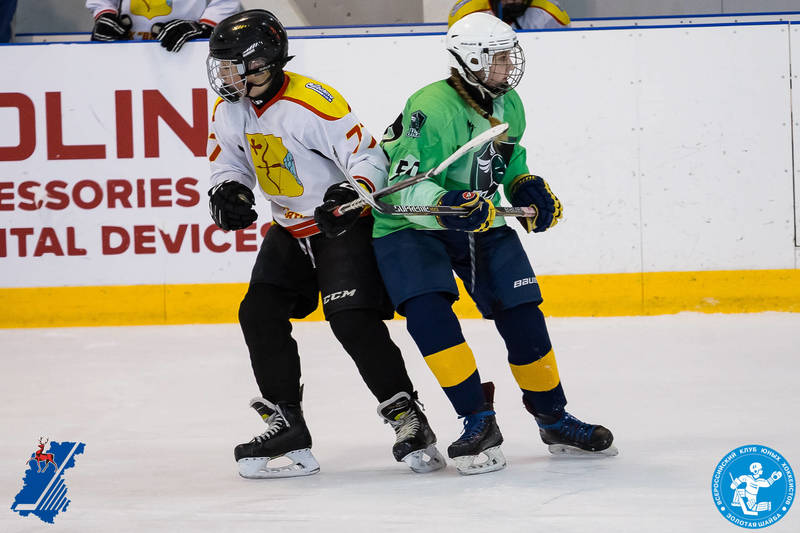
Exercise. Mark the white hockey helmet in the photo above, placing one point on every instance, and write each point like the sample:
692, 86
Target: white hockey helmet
474, 41
756, 469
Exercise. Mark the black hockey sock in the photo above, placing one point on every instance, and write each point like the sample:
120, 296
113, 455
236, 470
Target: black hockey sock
365, 337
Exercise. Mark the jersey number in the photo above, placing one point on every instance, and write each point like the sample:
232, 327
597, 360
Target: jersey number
357, 130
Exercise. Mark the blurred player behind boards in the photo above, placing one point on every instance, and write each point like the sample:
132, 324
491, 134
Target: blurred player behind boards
172, 22
293, 137
519, 14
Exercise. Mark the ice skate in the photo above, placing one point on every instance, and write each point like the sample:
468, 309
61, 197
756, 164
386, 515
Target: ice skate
283, 450
415, 444
477, 451
566, 435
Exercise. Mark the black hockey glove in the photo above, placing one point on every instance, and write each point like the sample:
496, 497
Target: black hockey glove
111, 27
336, 195
479, 217
231, 205
527, 190
175, 33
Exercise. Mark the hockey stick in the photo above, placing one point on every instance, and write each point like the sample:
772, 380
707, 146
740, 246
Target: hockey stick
444, 210
372, 200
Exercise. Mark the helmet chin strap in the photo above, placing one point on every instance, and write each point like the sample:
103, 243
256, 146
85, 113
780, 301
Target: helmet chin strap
468, 76
482, 87
275, 78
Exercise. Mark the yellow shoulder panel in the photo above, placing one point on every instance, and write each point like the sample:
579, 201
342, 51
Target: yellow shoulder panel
322, 99
462, 8
556, 12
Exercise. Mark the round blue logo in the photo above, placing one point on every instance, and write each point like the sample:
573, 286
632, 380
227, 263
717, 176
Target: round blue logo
753, 486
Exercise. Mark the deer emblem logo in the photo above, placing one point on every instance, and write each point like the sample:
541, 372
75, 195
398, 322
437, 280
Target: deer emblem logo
41, 457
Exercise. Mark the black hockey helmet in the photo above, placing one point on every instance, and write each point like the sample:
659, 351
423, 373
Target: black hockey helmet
509, 11
247, 43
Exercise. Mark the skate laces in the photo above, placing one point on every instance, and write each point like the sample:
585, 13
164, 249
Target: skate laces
474, 424
407, 425
406, 421
273, 428
571, 428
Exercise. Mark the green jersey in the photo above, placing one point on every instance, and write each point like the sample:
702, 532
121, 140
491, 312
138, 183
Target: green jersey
435, 122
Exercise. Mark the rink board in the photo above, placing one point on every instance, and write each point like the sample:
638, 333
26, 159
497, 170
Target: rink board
652, 293
671, 149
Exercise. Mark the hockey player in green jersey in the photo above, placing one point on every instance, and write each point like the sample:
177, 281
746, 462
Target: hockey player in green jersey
417, 254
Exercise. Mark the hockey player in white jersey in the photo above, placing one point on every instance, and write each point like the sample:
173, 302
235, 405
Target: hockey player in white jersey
172, 22
293, 137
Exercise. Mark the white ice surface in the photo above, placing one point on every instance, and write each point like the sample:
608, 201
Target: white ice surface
160, 409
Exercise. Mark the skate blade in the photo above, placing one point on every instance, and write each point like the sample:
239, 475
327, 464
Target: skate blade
566, 449
424, 461
469, 465
302, 463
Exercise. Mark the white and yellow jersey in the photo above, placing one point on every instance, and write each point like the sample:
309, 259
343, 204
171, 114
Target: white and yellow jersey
293, 148
145, 13
541, 14
462, 8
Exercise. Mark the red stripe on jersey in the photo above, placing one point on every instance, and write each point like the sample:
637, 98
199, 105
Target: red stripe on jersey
314, 109
303, 225
302, 233
309, 227
215, 153
365, 181
209, 22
